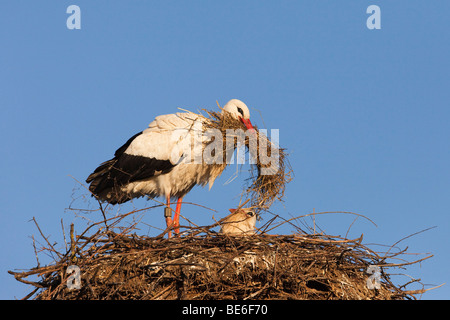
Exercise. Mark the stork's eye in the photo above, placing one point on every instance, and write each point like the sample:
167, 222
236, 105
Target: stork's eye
240, 111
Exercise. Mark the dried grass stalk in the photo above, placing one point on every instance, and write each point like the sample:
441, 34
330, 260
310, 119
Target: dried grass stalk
268, 179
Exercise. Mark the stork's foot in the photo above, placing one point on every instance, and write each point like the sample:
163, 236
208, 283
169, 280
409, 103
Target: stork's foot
169, 221
176, 228
172, 225
169, 224
177, 217
175, 223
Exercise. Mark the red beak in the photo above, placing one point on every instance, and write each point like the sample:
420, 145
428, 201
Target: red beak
247, 123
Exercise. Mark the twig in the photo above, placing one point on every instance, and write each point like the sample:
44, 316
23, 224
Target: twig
45, 238
411, 235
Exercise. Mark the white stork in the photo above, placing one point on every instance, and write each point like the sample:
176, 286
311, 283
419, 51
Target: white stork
240, 222
145, 165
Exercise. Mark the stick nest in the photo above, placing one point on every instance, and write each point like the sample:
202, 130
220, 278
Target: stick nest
116, 263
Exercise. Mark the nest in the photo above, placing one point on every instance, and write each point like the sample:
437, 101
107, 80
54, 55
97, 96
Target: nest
270, 171
116, 263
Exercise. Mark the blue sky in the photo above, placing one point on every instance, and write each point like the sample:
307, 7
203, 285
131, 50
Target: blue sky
364, 114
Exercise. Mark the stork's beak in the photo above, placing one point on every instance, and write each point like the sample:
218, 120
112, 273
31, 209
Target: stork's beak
248, 124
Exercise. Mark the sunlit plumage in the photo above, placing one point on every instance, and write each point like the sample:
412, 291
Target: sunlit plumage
152, 163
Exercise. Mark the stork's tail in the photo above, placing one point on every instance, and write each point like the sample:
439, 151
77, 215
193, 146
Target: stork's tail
104, 187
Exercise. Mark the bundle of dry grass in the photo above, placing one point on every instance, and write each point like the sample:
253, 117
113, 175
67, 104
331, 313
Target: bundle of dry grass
116, 263
271, 170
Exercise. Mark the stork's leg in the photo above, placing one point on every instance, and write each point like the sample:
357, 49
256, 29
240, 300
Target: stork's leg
176, 218
168, 216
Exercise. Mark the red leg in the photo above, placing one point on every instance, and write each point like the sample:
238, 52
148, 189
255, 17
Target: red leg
176, 218
168, 216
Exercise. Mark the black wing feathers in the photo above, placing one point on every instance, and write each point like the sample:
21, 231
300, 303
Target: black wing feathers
106, 181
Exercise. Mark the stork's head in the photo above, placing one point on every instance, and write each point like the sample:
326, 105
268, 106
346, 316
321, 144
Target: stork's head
246, 211
240, 111
240, 222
